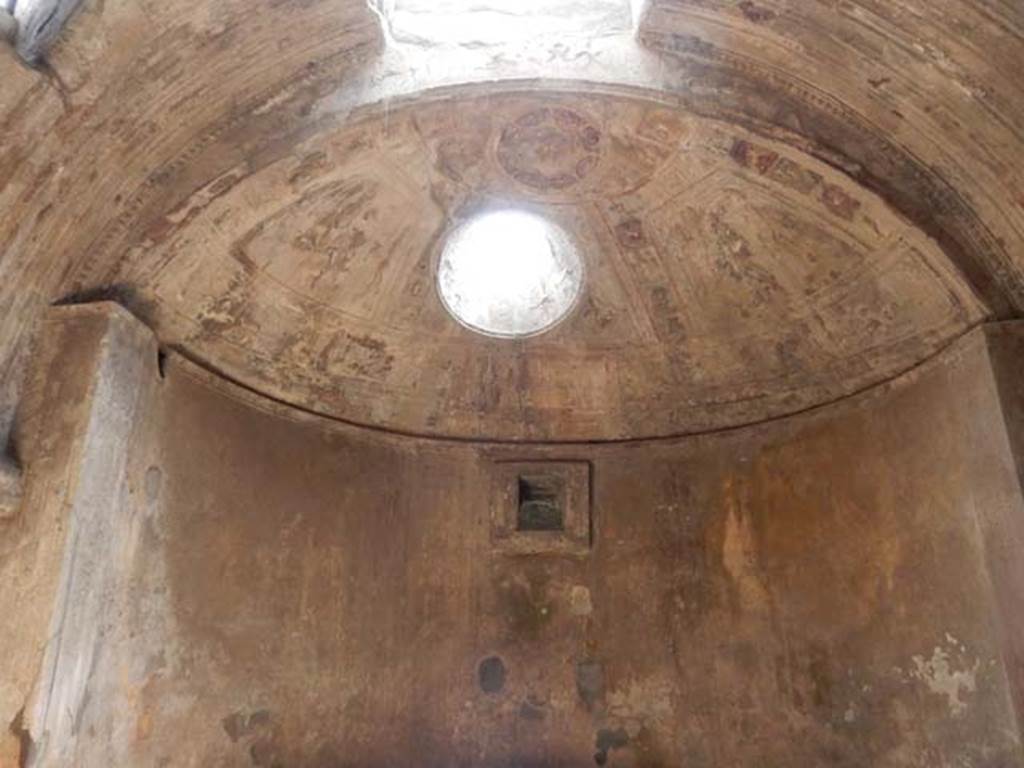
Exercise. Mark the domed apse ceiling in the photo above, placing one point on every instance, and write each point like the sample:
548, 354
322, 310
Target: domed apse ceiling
727, 278
777, 203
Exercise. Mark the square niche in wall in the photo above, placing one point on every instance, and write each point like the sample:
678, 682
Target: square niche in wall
541, 507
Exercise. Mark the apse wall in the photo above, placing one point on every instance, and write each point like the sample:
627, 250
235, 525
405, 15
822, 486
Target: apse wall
244, 584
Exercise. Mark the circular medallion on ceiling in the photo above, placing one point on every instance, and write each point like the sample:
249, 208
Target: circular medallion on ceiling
509, 273
549, 148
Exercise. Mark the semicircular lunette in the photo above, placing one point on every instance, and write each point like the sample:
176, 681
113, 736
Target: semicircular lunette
728, 279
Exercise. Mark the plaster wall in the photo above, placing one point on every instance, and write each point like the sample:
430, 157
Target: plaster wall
832, 589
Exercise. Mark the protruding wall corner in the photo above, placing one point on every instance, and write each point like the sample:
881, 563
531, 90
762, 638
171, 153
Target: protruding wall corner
84, 415
120, 326
999, 454
1005, 346
10, 488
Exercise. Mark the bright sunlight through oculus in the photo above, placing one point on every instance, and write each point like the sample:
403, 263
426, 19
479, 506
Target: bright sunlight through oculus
509, 273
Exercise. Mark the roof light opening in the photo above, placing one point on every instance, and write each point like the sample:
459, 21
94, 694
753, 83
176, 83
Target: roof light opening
39, 23
494, 22
509, 273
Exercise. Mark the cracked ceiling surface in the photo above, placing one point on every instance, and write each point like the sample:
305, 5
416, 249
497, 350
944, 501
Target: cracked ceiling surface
778, 203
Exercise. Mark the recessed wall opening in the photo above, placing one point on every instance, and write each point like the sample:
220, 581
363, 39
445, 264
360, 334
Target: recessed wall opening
509, 273
541, 503
541, 508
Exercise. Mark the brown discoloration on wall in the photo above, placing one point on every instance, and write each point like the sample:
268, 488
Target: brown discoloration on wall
839, 202
753, 156
782, 202
822, 590
755, 12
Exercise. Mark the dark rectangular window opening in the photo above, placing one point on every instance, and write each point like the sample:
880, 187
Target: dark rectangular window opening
541, 503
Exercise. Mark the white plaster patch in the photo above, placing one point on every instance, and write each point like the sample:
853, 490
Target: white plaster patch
650, 699
739, 553
942, 677
579, 601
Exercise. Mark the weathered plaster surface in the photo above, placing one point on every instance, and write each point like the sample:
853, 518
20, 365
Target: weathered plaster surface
822, 590
144, 110
727, 279
841, 588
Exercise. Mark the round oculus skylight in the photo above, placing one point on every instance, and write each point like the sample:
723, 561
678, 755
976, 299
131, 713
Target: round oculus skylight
509, 273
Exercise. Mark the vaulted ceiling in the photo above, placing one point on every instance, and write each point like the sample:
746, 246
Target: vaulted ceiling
778, 203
